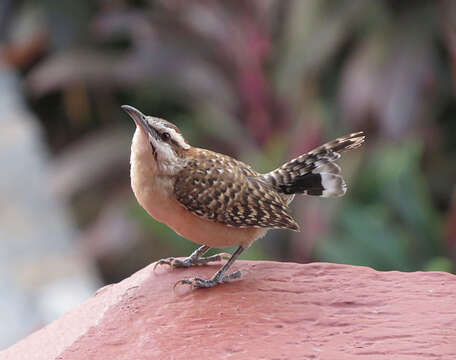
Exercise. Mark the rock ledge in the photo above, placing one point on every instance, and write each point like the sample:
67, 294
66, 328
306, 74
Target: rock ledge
277, 311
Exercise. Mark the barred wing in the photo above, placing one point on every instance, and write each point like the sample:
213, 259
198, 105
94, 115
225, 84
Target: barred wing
227, 193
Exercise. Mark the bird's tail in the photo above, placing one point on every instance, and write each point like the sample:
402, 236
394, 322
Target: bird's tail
315, 172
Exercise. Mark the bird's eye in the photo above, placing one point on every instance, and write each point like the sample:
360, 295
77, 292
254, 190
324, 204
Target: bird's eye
165, 136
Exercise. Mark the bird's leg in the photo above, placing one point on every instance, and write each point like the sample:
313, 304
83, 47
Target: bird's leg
219, 277
194, 259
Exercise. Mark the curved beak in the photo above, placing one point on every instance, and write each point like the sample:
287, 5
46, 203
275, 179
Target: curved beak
138, 117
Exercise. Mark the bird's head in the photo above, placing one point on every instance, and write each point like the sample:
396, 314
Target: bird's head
167, 145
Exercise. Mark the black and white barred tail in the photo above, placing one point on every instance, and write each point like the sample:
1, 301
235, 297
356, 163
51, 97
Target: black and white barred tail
315, 172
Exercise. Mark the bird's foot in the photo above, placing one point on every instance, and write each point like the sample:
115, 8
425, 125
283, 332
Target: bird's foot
191, 261
202, 283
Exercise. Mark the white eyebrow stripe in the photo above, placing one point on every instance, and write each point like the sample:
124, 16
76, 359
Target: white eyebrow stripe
177, 137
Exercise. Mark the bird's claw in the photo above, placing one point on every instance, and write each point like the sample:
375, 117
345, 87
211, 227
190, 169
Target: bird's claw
202, 283
188, 262
169, 261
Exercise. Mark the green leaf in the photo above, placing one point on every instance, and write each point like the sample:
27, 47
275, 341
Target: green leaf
439, 263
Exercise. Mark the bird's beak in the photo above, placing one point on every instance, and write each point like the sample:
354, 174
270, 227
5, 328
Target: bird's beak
138, 117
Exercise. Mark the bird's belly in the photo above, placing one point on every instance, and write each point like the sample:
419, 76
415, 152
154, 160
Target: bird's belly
210, 233
195, 228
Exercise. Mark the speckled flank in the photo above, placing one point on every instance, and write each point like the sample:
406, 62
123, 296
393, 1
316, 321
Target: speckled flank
227, 191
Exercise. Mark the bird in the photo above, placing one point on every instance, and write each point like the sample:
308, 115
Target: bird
217, 201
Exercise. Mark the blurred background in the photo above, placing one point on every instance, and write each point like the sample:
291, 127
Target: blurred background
263, 81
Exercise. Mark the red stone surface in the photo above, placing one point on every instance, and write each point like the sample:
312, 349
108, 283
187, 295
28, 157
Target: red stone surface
277, 311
